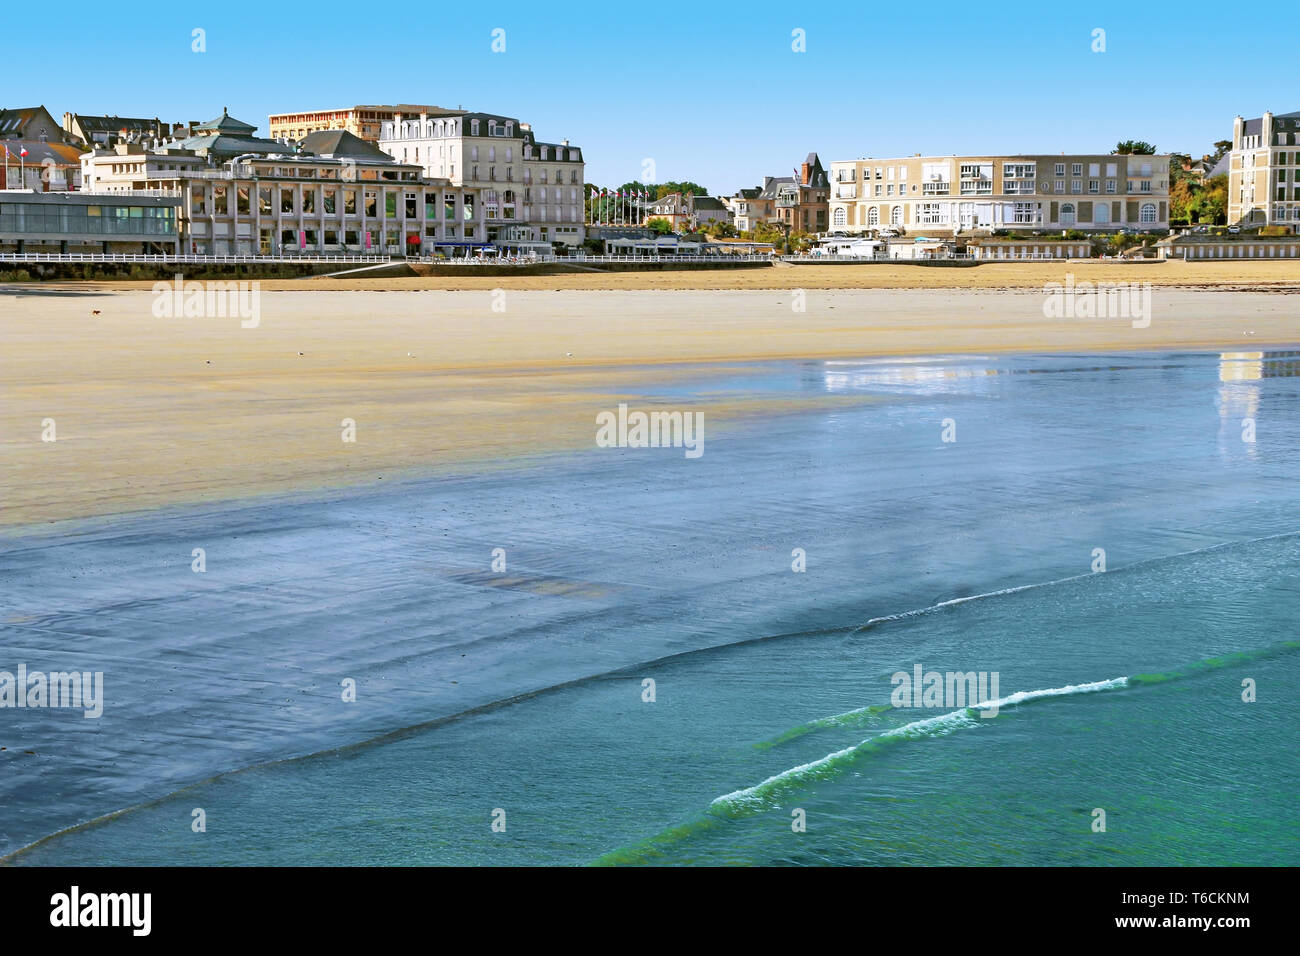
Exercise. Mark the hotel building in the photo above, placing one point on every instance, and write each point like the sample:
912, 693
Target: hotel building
364, 122
943, 195
532, 191
331, 194
1264, 171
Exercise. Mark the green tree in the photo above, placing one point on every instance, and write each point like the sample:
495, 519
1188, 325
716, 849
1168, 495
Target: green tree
659, 225
1214, 200
667, 189
1134, 146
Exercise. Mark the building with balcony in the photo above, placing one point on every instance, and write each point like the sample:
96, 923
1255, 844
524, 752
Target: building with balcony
946, 195
331, 194
1264, 171
364, 122
798, 202
79, 222
533, 192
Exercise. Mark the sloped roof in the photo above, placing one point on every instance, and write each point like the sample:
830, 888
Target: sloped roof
113, 124
220, 145
14, 121
772, 185
340, 144
225, 123
62, 154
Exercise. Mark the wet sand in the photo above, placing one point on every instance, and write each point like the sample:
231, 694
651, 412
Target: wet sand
150, 411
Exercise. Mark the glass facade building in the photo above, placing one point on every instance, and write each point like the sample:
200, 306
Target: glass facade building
81, 222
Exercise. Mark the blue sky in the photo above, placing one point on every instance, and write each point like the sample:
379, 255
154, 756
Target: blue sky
712, 93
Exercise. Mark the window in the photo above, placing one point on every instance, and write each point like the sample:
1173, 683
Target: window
839, 217
896, 216
1076, 186
1060, 169
932, 213
873, 216
1110, 186
1076, 169
1094, 186
1024, 213
1147, 213
1067, 214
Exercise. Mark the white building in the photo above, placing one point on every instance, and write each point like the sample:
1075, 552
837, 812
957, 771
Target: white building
332, 194
532, 192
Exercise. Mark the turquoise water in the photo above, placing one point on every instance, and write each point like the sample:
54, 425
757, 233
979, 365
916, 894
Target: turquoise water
968, 557
1186, 771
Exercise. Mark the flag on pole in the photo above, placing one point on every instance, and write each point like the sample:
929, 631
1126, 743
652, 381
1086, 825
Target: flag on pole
22, 152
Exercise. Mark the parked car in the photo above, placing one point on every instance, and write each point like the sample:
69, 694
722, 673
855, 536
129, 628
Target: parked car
1234, 229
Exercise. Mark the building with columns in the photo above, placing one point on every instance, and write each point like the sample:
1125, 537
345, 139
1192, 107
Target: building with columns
946, 195
331, 194
1264, 171
532, 191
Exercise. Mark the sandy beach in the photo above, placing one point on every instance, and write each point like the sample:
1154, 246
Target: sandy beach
153, 411
1240, 275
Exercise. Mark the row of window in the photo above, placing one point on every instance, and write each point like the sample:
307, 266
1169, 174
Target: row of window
510, 175
930, 214
328, 201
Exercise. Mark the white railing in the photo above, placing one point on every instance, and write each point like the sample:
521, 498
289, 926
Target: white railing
201, 260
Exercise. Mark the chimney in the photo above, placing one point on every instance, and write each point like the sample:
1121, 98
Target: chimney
805, 172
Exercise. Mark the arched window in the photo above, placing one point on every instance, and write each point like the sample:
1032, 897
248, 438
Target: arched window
896, 216
840, 218
1067, 214
1147, 213
873, 216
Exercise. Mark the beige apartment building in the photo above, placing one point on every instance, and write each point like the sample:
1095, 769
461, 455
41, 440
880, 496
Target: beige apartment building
1263, 183
532, 191
332, 194
364, 122
947, 195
